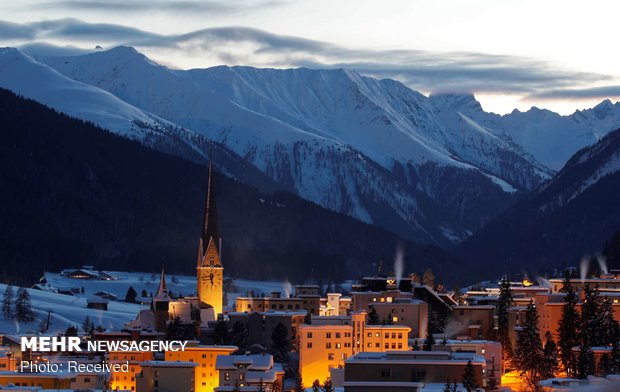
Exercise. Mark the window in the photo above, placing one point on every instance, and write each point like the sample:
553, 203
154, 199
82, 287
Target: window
227, 376
328, 345
400, 335
393, 335
309, 345
418, 375
377, 334
337, 345
393, 346
87, 379
330, 357
400, 346
377, 345
241, 376
369, 345
387, 346
369, 334
337, 335
343, 356
204, 356
309, 335
386, 372
249, 306
290, 306
328, 335
387, 335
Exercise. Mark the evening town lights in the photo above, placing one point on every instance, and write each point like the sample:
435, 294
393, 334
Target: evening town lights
57, 343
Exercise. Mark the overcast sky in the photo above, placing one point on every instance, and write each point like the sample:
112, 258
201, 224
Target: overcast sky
560, 55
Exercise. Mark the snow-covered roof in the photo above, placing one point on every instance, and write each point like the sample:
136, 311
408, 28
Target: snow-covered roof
262, 362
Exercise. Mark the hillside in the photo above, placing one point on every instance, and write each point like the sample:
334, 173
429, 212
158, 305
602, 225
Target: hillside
76, 194
569, 217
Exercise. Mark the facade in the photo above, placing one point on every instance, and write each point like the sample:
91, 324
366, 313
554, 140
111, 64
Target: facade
209, 267
126, 381
329, 341
407, 370
42, 380
206, 376
164, 376
491, 351
405, 311
260, 325
473, 321
248, 370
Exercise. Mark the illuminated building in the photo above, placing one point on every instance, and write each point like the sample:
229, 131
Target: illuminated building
329, 341
248, 371
209, 268
206, 376
126, 381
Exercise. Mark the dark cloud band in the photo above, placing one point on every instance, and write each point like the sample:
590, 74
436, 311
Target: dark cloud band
421, 70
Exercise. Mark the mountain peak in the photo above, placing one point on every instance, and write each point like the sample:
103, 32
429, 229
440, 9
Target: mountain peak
457, 101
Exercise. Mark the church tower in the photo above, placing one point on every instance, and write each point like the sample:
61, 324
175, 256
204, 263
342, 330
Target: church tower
161, 305
210, 271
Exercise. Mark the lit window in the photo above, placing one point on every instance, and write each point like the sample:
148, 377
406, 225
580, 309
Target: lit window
395, 319
337, 345
227, 376
369, 334
330, 357
389, 299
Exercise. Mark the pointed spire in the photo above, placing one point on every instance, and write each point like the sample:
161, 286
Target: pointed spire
162, 283
210, 229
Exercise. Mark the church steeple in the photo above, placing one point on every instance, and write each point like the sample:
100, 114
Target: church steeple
162, 283
209, 268
210, 229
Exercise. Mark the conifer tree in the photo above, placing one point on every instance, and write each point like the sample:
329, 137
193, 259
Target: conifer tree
591, 330
328, 386
8, 310
373, 317
469, 378
240, 336
23, 307
428, 342
504, 302
550, 357
529, 355
585, 361
281, 344
614, 365
131, 295
316, 386
221, 333
608, 324
447, 387
299, 384
416, 345
261, 386
568, 329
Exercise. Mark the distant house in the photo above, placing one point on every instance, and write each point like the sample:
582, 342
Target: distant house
238, 371
106, 295
97, 303
87, 272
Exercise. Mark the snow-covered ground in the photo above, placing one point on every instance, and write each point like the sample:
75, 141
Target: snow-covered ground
67, 310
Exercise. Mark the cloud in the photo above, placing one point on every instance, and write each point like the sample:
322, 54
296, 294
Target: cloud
422, 70
142, 6
583, 93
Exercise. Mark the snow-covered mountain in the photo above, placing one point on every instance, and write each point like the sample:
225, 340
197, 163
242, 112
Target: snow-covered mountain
564, 220
429, 168
551, 138
373, 149
32, 79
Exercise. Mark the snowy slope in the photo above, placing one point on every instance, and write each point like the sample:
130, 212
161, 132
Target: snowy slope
551, 138
373, 149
